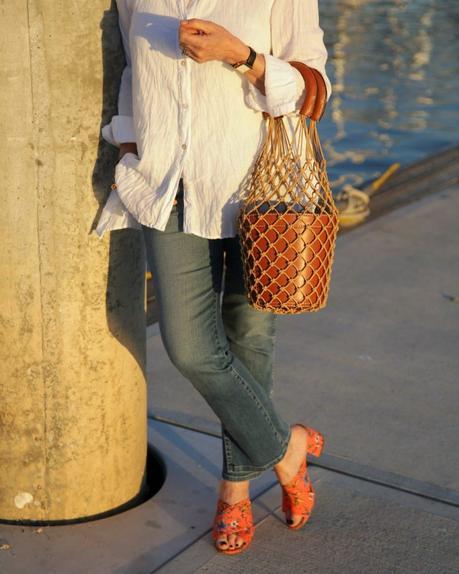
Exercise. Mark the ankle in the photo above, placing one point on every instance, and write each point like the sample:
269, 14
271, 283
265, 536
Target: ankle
232, 492
294, 454
285, 460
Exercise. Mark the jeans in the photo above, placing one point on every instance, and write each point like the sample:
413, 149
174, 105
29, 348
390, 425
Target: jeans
221, 344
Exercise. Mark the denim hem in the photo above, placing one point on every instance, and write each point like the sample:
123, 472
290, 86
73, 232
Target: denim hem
251, 472
242, 476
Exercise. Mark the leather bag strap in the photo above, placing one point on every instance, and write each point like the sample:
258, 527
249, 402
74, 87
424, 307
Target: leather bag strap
311, 88
315, 101
321, 99
316, 91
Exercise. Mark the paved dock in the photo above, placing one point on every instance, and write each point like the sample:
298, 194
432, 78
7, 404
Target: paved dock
377, 371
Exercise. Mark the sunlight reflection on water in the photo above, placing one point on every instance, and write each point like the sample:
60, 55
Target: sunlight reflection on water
394, 67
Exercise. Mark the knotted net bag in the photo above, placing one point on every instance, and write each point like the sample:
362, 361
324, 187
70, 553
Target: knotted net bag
288, 221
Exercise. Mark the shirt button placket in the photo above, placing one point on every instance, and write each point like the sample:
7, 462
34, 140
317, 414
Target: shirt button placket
186, 141
184, 91
184, 115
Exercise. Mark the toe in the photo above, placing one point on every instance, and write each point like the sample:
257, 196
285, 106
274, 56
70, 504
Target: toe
222, 542
232, 540
239, 542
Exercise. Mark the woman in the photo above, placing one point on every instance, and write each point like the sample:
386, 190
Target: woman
199, 74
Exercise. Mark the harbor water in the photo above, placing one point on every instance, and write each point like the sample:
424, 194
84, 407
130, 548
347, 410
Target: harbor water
394, 66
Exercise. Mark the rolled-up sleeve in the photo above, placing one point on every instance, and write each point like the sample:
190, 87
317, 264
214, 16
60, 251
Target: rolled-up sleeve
295, 35
115, 216
121, 127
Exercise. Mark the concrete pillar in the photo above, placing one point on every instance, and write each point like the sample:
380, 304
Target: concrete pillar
72, 307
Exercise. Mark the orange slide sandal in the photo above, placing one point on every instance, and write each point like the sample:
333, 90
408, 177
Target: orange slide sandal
234, 519
298, 496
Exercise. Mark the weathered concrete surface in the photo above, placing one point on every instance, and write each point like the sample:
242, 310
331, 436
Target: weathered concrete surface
72, 336
377, 370
143, 538
349, 533
343, 523
356, 527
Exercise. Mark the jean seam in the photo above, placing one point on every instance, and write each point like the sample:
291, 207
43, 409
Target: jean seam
226, 443
257, 402
255, 470
231, 477
248, 391
253, 397
227, 447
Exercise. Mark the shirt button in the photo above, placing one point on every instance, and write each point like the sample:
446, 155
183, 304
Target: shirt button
183, 146
183, 62
185, 106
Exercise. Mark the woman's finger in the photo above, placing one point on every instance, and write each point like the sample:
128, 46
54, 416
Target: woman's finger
196, 45
191, 39
196, 54
191, 54
191, 31
196, 24
208, 46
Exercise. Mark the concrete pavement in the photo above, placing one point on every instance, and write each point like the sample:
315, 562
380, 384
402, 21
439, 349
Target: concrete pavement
377, 371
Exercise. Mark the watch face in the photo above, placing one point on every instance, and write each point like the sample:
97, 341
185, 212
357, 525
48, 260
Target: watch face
243, 68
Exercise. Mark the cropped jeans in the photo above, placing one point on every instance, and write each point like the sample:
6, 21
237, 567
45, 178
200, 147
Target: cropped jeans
221, 344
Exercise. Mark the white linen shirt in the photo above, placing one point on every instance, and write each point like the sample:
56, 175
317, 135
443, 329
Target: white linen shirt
200, 122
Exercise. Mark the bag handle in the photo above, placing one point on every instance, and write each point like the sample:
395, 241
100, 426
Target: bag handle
316, 91
321, 100
315, 101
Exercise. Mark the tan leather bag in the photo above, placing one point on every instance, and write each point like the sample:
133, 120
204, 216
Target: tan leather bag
288, 221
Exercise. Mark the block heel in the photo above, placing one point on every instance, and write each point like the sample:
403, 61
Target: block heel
316, 441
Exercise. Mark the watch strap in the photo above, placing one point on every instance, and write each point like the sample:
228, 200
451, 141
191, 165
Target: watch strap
249, 62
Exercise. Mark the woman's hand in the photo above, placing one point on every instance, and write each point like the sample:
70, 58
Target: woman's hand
204, 41
128, 147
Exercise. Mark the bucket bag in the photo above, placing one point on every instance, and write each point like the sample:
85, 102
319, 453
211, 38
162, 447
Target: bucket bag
288, 221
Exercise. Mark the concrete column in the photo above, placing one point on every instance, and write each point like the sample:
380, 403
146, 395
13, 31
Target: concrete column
72, 307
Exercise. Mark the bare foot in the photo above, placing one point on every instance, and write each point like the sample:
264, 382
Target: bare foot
290, 464
232, 492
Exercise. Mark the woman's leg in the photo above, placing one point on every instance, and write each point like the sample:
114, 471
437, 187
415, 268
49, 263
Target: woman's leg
251, 336
187, 274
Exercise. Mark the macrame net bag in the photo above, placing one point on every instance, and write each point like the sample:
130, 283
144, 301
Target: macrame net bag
288, 221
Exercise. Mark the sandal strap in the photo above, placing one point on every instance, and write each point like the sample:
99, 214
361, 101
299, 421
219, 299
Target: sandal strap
299, 501
297, 481
298, 495
233, 518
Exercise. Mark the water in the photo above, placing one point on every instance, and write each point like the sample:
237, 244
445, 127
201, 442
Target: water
394, 65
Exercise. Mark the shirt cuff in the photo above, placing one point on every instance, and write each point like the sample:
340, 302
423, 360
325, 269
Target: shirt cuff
119, 130
115, 216
283, 86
